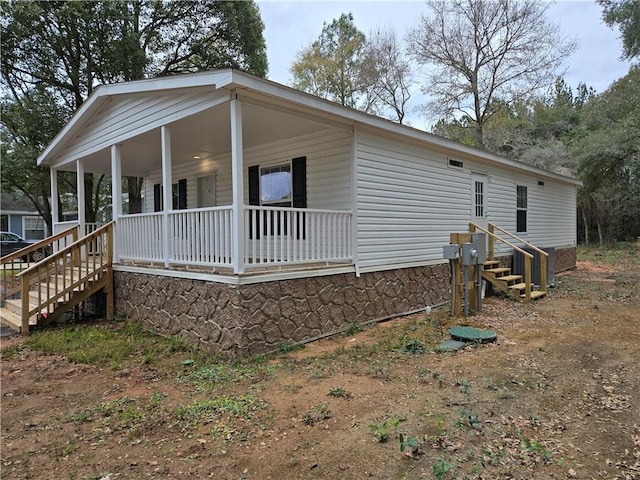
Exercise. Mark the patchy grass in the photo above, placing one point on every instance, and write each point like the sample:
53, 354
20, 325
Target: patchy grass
206, 411
112, 343
213, 372
616, 254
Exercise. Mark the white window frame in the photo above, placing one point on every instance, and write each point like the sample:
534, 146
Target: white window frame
39, 221
280, 202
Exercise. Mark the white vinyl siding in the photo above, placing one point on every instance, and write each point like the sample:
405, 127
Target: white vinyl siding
328, 170
409, 200
128, 116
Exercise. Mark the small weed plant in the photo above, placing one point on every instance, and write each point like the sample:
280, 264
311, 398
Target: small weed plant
442, 469
316, 414
382, 430
339, 392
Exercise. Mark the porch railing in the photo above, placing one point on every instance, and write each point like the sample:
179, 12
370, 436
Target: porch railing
203, 236
277, 236
196, 237
139, 237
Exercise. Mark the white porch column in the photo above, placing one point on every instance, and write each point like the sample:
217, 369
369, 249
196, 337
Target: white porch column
237, 214
55, 214
82, 217
116, 195
165, 137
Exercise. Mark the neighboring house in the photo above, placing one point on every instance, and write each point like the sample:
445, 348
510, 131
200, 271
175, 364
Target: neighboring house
17, 215
273, 216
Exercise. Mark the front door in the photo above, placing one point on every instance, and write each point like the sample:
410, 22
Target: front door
206, 191
479, 200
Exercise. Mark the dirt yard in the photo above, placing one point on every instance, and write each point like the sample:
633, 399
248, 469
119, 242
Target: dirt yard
557, 396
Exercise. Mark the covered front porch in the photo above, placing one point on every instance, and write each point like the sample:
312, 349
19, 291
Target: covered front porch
232, 184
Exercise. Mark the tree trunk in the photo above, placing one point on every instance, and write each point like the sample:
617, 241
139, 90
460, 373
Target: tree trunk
135, 194
585, 222
599, 224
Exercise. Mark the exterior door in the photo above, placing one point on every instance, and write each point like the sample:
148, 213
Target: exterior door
479, 200
206, 191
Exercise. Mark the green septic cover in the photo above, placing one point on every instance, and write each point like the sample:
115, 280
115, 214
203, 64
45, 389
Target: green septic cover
471, 334
450, 346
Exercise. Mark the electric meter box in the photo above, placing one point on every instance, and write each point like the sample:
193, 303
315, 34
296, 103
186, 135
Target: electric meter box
480, 241
450, 252
469, 254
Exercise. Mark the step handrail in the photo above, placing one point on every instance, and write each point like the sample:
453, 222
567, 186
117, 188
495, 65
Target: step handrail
530, 245
77, 256
473, 227
15, 264
527, 256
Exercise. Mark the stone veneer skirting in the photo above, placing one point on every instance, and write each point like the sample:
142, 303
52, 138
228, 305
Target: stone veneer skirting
242, 320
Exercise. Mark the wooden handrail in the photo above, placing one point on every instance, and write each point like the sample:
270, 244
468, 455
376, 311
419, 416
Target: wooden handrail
69, 248
527, 256
85, 266
14, 263
530, 245
473, 227
41, 244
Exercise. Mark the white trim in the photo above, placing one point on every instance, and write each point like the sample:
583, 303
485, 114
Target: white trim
245, 279
55, 215
102, 94
82, 217
237, 179
167, 193
354, 199
116, 193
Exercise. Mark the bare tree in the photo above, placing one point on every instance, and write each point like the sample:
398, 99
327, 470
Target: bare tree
481, 51
389, 71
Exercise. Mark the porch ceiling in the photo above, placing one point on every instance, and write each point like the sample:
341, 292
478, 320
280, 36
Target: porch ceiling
206, 134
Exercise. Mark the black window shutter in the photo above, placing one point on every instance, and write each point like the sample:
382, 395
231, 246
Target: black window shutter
299, 194
182, 194
254, 199
299, 182
254, 185
157, 198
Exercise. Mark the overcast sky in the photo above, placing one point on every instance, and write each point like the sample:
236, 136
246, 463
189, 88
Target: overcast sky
293, 25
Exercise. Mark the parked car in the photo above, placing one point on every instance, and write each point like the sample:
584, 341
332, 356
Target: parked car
10, 242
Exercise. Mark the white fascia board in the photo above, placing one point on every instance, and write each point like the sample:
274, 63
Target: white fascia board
103, 93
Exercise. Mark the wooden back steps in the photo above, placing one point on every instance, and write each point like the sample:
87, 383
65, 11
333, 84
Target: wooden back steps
519, 287
38, 294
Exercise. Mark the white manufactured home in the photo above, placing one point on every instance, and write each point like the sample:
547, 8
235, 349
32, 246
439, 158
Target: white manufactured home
273, 216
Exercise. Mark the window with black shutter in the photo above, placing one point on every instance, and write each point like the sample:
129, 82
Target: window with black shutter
278, 186
178, 196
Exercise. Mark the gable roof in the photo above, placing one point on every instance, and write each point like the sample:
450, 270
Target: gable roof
234, 80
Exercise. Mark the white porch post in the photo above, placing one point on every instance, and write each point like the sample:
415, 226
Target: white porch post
165, 136
82, 218
116, 194
55, 214
237, 213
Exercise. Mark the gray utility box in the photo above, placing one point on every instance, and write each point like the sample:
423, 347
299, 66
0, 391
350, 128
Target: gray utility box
469, 254
479, 239
450, 252
518, 264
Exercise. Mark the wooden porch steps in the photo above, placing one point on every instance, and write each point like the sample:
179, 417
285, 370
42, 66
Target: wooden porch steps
506, 282
62, 281
13, 320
